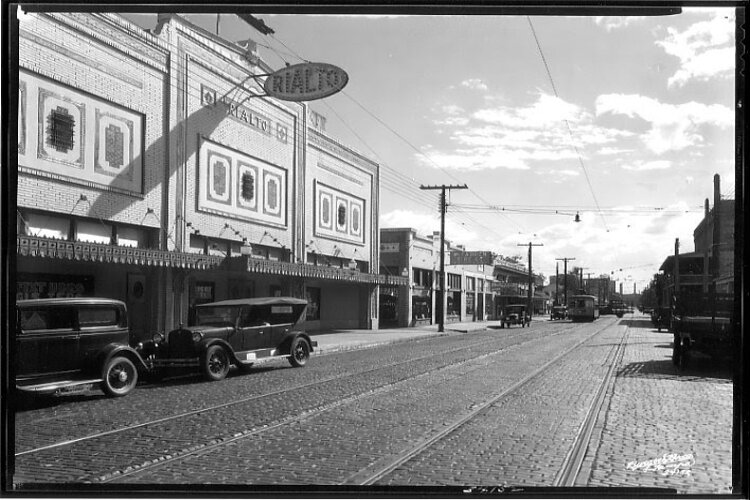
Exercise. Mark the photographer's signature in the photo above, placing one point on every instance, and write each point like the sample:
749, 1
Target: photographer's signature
669, 464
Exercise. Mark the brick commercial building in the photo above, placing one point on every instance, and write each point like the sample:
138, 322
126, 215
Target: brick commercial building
712, 264
469, 281
150, 171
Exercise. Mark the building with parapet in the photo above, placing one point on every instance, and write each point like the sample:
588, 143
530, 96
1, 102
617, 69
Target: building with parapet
468, 287
153, 169
711, 265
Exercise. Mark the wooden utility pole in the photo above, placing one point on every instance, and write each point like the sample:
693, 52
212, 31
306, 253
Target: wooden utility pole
583, 289
565, 274
443, 207
530, 293
557, 283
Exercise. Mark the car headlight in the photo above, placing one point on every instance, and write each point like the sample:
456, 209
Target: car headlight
197, 336
158, 338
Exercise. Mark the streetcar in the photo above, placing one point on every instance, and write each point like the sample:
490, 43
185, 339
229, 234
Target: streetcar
583, 308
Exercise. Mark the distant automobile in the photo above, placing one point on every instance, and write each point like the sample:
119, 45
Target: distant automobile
558, 312
66, 344
515, 315
235, 332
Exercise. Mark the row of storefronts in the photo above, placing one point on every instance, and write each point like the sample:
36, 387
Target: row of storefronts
151, 170
478, 285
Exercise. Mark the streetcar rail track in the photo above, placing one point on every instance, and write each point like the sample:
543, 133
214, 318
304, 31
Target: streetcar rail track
569, 472
212, 408
202, 448
385, 466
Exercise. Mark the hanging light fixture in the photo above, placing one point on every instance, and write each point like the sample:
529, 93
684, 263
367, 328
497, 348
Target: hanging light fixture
246, 248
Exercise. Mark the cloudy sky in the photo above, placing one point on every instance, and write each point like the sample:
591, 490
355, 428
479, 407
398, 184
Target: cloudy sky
623, 120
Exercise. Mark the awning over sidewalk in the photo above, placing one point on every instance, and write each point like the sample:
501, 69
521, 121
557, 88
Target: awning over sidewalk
34, 246
263, 266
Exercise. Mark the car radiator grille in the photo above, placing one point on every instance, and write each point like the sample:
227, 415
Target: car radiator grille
181, 344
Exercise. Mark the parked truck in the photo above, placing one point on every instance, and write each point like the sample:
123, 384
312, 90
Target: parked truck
702, 322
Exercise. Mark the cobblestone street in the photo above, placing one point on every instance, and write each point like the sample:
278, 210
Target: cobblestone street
493, 407
656, 411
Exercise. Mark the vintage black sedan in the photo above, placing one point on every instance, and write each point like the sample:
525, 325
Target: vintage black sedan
236, 332
68, 344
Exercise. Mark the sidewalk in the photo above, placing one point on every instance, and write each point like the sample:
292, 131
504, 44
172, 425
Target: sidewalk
344, 340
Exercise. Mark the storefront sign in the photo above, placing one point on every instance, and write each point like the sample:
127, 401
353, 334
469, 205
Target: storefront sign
39, 286
244, 114
389, 248
316, 120
306, 82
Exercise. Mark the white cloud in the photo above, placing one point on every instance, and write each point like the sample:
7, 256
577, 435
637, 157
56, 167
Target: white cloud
673, 127
610, 23
502, 136
649, 165
474, 84
705, 50
613, 151
704, 66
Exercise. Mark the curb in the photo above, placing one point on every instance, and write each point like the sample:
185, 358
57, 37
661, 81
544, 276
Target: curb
367, 345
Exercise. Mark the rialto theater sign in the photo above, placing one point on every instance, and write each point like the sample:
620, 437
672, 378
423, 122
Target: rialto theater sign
244, 114
306, 82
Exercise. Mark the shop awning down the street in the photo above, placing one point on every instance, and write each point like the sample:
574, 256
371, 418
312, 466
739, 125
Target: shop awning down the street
35, 246
263, 266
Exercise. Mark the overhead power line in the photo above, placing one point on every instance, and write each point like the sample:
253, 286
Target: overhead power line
567, 123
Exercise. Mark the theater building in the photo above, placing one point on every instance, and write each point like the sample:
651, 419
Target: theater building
152, 169
93, 163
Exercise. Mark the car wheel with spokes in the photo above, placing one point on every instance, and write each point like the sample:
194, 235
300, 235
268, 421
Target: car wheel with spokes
215, 363
299, 352
119, 376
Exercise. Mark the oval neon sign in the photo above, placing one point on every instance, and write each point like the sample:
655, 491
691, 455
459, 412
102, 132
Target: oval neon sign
306, 82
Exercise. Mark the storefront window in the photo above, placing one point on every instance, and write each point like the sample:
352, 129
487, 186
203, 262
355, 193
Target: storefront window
422, 277
47, 226
421, 308
469, 305
388, 308
454, 281
454, 304
90, 232
313, 304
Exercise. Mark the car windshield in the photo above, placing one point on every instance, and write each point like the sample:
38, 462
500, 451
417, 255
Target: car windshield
216, 316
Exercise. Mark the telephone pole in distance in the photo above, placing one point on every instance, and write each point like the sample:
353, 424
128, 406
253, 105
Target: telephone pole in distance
443, 207
530, 293
565, 277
